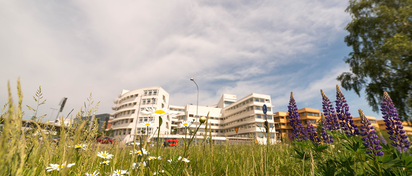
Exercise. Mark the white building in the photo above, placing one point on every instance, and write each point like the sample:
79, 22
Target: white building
228, 114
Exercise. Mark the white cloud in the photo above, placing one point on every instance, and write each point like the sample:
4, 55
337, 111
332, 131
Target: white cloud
74, 48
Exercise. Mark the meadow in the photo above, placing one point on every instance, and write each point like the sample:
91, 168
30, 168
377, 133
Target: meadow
329, 150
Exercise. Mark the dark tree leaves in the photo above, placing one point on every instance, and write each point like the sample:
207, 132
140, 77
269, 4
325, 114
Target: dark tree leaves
380, 35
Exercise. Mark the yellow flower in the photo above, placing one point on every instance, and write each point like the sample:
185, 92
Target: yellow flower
105, 155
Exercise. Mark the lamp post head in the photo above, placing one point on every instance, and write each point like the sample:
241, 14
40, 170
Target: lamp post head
192, 79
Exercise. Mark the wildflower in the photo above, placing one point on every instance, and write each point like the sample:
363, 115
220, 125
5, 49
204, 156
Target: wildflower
342, 111
313, 136
147, 123
105, 155
202, 119
327, 138
298, 132
135, 165
120, 172
139, 152
185, 124
179, 158
170, 161
80, 146
185, 160
370, 139
393, 124
58, 167
159, 158
152, 158
157, 112
93, 174
332, 122
105, 162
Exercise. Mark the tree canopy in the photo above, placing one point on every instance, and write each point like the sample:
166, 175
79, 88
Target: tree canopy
380, 35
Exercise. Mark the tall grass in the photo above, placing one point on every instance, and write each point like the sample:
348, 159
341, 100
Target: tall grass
30, 153
24, 153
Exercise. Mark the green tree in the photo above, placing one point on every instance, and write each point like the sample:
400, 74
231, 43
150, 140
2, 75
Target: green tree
380, 35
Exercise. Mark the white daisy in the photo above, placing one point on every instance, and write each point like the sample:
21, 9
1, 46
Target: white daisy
135, 165
58, 167
157, 112
170, 161
159, 158
80, 146
105, 162
139, 152
93, 174
105, 155
185, 124
120, 172
185, 160
147, 123
152, 158
179, 158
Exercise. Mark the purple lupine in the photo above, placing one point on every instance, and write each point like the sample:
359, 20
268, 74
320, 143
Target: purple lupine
332, 122
313, 136
370, 139
298, 132
342, 111
327, 138
393, 124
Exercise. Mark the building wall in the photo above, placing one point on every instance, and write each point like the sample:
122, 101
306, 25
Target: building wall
407, 126
127, 118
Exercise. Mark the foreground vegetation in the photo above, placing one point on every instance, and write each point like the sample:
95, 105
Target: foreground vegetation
330, 150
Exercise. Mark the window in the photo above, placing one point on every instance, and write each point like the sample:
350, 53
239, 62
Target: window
262, 100
269, 109
272, 135
259, 124
257, 107
190, 115
130, 130
144, 101
134, 103
131, 120
269, 117
167, 125
258, 116
154, 92
132, 111
257, 99
164, 98
145, 93
148, 101
260, 135
163, 105
127, 120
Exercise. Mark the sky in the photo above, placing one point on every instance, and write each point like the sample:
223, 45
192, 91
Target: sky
77, 48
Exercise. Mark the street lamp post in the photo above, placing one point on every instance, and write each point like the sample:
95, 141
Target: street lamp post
197, 102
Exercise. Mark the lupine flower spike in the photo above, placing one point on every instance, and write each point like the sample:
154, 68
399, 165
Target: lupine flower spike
325, 136
298, 132
313, 136
370, 139
332, 122
393, 124
344, 116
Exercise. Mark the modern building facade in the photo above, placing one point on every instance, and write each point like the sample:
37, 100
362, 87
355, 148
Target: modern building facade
229, 119
127, 119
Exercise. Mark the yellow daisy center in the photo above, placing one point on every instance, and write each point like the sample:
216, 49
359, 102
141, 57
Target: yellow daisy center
104, 155
185, 124
147, 124
92, 175
60, 167
139, 152
159, 112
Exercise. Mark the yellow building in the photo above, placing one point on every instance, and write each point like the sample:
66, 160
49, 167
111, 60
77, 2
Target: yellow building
372, 120
407, 126
305, 114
